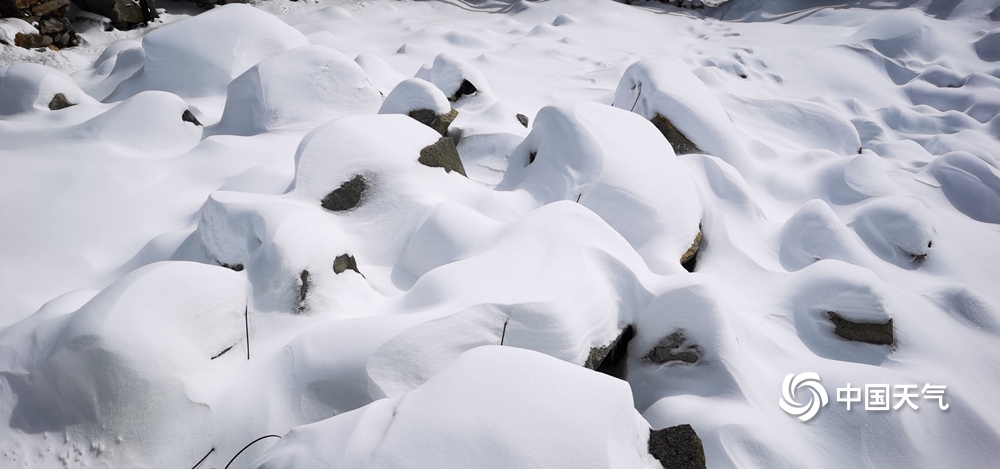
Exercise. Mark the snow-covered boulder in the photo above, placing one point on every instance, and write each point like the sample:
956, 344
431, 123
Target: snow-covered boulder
616, 164
898, 230
29, 86
457, 79
495, 407
302, 87
156, 122
422, 101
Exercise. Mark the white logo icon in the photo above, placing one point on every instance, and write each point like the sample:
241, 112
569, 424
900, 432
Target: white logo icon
792, 383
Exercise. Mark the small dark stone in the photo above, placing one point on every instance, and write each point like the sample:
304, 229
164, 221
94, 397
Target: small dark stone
531, 157
188, 116
235, 267
682, 145
303, 289
345, 197
673, 348
59, 101
344, 262
439, 123
442, 154
523, 119
677, 447
690, 258
869, 332
465, 89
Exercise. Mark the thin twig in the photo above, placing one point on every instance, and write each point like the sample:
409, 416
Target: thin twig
504, 333
247, 446
639, 93
246, 321
203, 458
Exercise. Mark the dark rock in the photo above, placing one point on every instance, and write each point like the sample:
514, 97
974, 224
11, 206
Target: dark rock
442, 154
188, 116
45, 7
345, 197
690, 258
124, 14
682, 145
465, 89
32, 41
438, 122
59, 101
677, 447
610, 359
344, 262
870, 332
531, 157
50, 26
523, 119
674, 348
236, 267
303, 289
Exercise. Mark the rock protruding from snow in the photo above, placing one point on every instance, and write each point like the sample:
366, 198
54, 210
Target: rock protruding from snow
615, 163
677, 447
303, 87
456, 78
442, 154
898, 230
422, 101
494, 407
151, 121
200, 56
687, 112
28, 86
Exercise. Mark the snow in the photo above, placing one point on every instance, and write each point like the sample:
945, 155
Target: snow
170, 290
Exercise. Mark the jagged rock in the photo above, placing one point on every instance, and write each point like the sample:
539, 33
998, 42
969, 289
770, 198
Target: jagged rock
124, 14
50, 25
610, 359
682, 145
677, 447
438, 122
465, 89
442, 154
345, 197
32, 41
674, 348
188, 116
344, 262
523, 119
870, 332
59, 101
44, 8
690, 256
235, 267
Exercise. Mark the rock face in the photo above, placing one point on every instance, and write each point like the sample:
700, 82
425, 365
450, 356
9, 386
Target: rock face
681, 144
610, 359
438, 122
442, 154
54, 30
124, 14
677, 447
674, 348
869, 332
345, 197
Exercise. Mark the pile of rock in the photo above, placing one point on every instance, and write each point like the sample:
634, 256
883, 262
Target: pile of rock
48, 17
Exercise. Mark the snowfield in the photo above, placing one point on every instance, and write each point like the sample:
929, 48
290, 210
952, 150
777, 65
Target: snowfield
499, 234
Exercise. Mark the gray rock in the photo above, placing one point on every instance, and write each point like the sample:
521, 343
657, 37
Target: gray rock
442, 154
674, 348
188, 116
124, 14
523, 119
870, 332
610, 359
59, 101
677, 447
438, 122
345, 262
345, 197
682, 145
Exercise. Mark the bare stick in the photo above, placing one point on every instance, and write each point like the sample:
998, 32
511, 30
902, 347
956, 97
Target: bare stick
247, 446
246, 321
504, 333
203, 458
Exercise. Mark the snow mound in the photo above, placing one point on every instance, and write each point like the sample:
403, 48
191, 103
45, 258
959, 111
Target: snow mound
494, 407
453, 76
414, 94
215, 47
27, 86
302, 87
151, 122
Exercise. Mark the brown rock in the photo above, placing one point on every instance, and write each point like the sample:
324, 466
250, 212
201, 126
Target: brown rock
442, 154
677, 447
682, 145
877, 333
44, 8
59, 101
31, 41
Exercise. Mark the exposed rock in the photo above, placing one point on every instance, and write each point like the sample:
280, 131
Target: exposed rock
344, 262
465, 89
610, 359
523, 119
870, 332
32, 41
345, 197
442, 154
124, 14
682, 145
438, 122
674, 348
677, 447
59, 101
531, 157
236, 267
303, 289
187, 116
690, 257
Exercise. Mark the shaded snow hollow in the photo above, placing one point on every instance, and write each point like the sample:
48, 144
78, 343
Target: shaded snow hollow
237, 230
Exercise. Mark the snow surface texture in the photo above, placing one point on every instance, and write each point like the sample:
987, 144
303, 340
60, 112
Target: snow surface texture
236, 231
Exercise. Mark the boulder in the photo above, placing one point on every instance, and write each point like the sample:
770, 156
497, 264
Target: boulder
345, 197
32, 41
878, 333
345, 262
422, 101
124, 14
438, 122
681, 144
674, 348
59, 101
677, 447
442, 154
